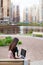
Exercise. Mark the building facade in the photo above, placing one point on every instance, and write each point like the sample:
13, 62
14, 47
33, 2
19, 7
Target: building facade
30, 15
34, 13
5, 10
17, 14
14, 15
41, 10
25, 16
37, 15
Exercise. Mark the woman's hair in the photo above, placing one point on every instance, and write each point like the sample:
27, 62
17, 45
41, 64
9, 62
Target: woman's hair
13, 44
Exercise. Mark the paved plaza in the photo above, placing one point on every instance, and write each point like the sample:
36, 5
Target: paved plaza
34, 49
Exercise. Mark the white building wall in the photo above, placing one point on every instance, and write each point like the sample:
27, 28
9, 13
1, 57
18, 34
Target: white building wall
34, 13
41, 10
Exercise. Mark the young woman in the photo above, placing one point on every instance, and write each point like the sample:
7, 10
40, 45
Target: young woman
13, 49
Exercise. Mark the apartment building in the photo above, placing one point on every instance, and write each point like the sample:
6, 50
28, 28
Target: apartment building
25, 15
17, 14
41, 10
30, 15
5, 11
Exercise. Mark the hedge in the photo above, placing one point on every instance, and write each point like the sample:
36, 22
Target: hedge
6, 41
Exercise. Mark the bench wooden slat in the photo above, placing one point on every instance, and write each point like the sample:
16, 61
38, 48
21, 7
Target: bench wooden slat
12, 62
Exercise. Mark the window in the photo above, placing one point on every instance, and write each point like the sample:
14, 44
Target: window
1, 3
8, 12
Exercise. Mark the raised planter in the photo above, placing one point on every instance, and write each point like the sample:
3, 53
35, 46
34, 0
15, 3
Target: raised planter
37, 34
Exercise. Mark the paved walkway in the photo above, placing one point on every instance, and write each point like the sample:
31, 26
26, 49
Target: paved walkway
34, 49
37, 63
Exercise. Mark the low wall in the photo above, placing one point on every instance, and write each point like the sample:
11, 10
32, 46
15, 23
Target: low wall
13, 62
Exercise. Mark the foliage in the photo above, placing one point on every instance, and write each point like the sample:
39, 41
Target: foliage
30, 24
25, 24
6, 41
30, 32
38, 35
2, 42
20, 42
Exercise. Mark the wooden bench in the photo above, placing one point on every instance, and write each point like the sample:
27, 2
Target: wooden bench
12, 62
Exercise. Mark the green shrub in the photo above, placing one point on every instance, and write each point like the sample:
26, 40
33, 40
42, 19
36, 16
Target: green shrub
38, 35
8, 40
2, 42
20, 42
